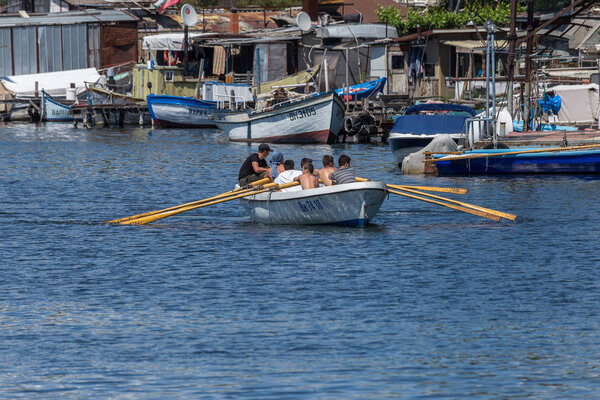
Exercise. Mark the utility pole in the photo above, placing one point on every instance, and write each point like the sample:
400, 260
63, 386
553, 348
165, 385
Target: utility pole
527, 102
512, 37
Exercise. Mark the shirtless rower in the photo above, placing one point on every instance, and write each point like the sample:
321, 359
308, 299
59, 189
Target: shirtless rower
307, 179
327, 170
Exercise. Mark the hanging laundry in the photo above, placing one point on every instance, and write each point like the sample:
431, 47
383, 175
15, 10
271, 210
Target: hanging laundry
219, 61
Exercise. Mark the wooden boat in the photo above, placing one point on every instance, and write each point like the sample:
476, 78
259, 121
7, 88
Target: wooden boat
523, 161
412, 131
297, 79
309, 119
351, 204
362, 90
181, 112
53, 110
134, 112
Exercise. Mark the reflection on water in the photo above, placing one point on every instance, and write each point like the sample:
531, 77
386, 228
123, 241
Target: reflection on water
426, 302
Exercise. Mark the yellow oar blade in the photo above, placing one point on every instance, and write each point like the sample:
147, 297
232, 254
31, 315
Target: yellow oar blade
427, 188
459, 208
500, 214
156, 217
226, 194
431, 189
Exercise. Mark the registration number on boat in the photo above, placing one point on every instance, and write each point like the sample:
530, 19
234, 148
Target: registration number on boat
304, 113
310, 205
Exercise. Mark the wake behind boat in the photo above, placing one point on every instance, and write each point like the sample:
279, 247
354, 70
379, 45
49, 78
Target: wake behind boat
309, 119
351, 204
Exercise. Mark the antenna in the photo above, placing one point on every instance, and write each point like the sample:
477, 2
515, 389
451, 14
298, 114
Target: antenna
188, 14
303, 21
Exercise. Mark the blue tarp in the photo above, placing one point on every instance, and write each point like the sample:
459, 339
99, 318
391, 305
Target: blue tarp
419, 124
439, 107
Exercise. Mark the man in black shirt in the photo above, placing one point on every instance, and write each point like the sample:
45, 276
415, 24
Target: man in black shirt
255, 167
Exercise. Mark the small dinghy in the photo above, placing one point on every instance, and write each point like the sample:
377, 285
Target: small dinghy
351, 204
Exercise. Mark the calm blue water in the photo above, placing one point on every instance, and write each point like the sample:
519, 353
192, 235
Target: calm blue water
427, 303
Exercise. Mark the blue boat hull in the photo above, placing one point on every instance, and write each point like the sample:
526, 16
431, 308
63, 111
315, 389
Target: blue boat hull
181, 112
362, 90
575, 162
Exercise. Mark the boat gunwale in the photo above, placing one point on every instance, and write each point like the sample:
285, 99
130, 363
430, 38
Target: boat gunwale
304, 194
276, 109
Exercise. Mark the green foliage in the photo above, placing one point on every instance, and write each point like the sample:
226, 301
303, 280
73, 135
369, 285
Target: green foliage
439, 17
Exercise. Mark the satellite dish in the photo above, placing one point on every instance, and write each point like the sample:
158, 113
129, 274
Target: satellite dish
303, 21
188, 14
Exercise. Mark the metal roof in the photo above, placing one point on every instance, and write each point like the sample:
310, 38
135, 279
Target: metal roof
67, 18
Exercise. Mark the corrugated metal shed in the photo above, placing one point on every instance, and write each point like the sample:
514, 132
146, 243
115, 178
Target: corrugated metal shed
72, 17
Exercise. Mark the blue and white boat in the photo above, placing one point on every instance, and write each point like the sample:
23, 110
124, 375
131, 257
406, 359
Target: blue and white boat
536, 161
419, 124
53, 110
351, 204
181, 112
362, 90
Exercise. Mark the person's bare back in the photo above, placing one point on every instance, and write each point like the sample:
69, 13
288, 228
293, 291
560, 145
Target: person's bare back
324, 175
327, 170
307, 179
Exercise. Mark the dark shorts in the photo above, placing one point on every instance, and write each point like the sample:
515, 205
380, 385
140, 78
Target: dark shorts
251, 178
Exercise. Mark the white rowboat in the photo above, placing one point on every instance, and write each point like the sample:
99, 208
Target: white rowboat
351, 204
312, 119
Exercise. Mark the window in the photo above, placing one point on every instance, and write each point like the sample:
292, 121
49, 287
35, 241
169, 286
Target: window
397, 61
169, 76
429, 70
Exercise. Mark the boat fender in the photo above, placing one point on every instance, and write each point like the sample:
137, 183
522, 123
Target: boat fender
348, 123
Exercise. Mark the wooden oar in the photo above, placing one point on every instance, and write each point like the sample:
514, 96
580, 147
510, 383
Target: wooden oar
508, 153
431, 189
427, 188
500, 214
459, 208
155, 217
222, 195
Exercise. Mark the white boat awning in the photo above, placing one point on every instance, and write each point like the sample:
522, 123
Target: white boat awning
53, 83
169, 41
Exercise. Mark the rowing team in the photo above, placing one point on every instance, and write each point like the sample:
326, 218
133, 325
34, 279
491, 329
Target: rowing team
255, 167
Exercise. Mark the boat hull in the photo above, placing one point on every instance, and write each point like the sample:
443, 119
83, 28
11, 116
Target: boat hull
362, 90
54, 111
316, 119
352, 204
181, 112
573, 162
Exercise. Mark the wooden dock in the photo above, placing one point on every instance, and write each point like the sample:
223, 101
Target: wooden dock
548, 139
111, 114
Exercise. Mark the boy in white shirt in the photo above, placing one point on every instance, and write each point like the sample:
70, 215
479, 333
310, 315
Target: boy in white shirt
288, 176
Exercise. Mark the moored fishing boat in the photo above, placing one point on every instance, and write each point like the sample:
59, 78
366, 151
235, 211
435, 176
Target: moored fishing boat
309, 119
351, 204
53, 110
181, 112
419, 124
523, 161
362, 90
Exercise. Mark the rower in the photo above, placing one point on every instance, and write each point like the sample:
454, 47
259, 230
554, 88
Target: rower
255, 167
